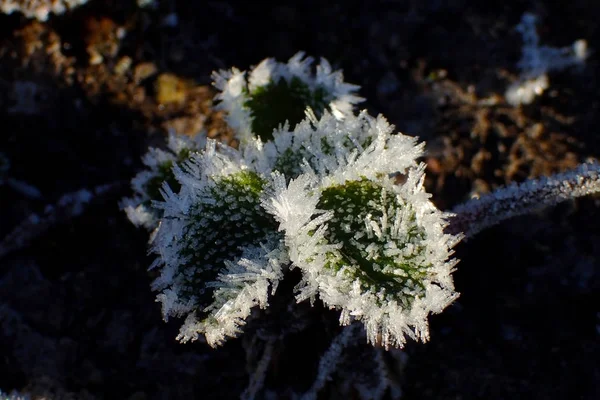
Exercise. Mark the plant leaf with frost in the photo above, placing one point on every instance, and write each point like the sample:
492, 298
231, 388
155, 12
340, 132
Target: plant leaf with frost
242, 285
374, 250
147, 184
208, 239
272, 93
367, 246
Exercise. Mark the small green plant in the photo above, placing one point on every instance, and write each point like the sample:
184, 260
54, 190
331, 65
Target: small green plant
336, 194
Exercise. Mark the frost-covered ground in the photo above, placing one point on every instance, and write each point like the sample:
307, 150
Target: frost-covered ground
85, 93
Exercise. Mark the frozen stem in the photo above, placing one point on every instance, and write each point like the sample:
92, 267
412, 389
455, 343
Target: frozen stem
69, 206
331, 358
257, 379
478, 214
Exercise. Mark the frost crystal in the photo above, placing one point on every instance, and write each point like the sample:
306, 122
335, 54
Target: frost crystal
275, 93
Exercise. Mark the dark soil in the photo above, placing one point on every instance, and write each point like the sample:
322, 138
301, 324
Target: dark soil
83, 95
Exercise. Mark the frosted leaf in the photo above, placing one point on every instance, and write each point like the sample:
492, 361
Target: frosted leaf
375, 250
244, 283
275, 92
213, 268
147, 184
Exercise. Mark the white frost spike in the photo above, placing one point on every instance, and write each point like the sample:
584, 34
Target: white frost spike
291, 205
342, 92
232, 85
294, 207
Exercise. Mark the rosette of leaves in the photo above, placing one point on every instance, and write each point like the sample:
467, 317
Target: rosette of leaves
147, 184
368, 246
272, 93
340, 197
219, 251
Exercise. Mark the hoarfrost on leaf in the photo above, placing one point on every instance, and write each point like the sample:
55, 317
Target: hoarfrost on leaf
274, 93
366, 246
148, 183
218, 249
354, 146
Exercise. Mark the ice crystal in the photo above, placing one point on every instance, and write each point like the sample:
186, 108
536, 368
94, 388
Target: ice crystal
274, 93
